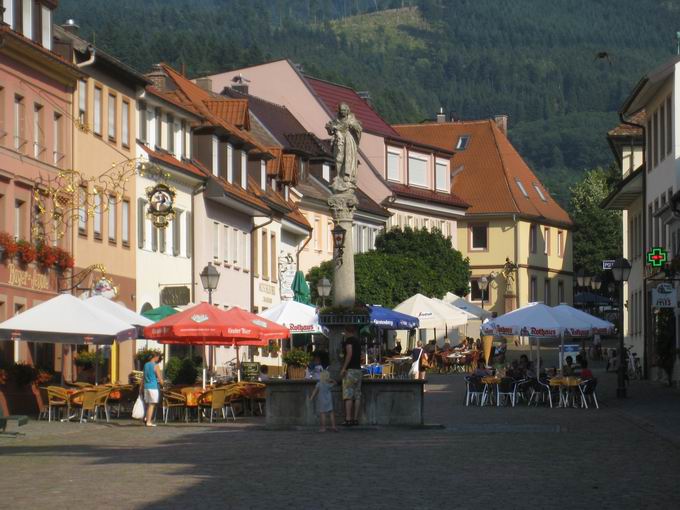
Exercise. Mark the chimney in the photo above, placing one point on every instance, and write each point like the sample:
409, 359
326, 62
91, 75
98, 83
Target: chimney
240, 84
441, 116
204, 83
366, 96
71, 26
502, 123
158, 77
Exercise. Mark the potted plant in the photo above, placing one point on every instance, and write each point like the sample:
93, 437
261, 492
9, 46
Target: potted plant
8, 246
18, 393
46, 255
27, 252
145, 355
64, 260
296, 361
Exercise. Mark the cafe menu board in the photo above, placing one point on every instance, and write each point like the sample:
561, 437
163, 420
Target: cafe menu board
250, 371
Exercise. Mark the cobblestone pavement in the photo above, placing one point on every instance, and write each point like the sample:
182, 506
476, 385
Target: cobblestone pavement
625, 455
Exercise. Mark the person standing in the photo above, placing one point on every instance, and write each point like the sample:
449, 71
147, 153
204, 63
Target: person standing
324, 400
351, 380
418, 355
151, 383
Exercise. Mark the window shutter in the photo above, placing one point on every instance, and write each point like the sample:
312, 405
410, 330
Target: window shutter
189, 227
141, 204
176, 237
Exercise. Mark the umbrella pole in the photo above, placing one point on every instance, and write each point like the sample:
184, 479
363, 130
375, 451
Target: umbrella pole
203, 371
96, 365
561, 350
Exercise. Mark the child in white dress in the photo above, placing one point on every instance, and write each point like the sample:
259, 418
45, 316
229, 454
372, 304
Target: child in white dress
324, 400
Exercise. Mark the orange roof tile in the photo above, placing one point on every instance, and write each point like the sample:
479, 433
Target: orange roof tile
273, 165
234, 111
169, 159
492, 169
628, 130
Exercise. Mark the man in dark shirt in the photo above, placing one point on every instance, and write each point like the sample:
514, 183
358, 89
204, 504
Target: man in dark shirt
351, 379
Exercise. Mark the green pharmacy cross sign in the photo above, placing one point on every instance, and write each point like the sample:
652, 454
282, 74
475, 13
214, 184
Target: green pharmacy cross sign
657, 257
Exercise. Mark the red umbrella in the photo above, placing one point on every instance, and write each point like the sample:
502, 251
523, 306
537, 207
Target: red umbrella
246, 328
199, 324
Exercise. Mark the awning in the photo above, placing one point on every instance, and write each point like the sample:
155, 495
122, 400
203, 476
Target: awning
384, 318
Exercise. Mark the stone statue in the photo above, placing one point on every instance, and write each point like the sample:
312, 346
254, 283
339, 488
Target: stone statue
509, 270
346, 133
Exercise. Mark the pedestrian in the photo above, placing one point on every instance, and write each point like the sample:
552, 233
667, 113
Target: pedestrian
419, 357
351, 380
151, 384
324, 400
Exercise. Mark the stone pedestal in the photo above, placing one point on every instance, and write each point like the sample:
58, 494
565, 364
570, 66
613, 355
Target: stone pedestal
396, 402
510, 302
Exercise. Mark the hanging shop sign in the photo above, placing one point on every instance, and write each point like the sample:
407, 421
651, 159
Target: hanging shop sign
105, 287
29, 279
664, 296
657, 257
175, 296
161, 209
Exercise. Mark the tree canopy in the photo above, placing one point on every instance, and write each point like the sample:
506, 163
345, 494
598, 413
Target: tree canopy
405, 262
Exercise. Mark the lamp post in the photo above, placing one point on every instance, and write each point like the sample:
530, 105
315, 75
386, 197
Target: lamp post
339, 234
621, 272
323, 289
483, 284
210, 277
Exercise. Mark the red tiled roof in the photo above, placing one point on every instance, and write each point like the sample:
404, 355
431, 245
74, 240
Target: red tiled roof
491, 169
332, 94
169, 159
173, 98
628, 130
248, 196
274, 165
427, 195
233, 110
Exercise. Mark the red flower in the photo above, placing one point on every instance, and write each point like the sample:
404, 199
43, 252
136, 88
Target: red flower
47, 255
8, 243
64, 259
27, 252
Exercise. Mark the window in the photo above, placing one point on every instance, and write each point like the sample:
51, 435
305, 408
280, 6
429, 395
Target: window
560, 292
82, 102
19, 206
8, 17
476, 294
170, 123
274, 257
177, 233
245, 247
82, 211
256, 254
533, 238
265, 256
189, 238
216, 240
522, 188
97, 123
669, 126
655, 138
540, 192
225, 244
38, 131
125, 222
125, 123
263, 175
442, 180
154, 237
27, 18
417, 170
230, 163
46, 22
58, 149
318, 244
183, 139
158, 117
546, 241
244, 170
162, 246
112, 213
112, 117
463, 142
19, 123
546, 291
560, 243
479, 238
141, 224
662, 132
98, 213
533, 290
326, 172
393, 166
215, 156
232, 254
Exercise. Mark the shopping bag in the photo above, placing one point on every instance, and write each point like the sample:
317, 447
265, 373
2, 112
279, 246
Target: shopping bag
413, 371
138, 409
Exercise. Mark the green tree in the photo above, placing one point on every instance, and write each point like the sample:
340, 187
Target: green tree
404, 263
597, 231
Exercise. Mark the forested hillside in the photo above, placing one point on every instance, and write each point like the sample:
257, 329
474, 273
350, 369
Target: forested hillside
531, 59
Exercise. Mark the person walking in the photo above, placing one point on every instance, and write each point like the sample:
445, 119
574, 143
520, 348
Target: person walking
351, 380
151, 384
418, 355
324, 400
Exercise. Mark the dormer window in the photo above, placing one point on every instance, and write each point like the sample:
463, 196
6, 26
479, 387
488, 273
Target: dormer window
417, 170
263, 175
442, 180
393, 165
463, 142
540, 192
46, 27
326, 172
522, 188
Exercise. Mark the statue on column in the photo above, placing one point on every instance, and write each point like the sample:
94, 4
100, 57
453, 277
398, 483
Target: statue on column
346, 132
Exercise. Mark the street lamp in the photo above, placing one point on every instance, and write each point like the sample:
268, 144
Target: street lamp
483, 284
621, 272
596, 282
323, 289
210, 277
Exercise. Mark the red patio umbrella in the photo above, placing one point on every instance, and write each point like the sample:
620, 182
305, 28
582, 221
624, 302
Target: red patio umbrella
199, 324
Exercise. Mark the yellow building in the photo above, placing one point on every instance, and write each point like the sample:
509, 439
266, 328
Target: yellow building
512, 222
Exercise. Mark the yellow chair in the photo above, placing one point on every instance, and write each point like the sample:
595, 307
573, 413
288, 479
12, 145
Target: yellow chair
387, 371
57, 398
212, 400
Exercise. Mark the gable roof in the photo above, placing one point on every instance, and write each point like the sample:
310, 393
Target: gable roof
332, 94
626, 130
234, 110
170, 160
492, 168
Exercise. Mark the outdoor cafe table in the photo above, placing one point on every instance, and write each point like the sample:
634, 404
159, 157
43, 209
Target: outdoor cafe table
567, 386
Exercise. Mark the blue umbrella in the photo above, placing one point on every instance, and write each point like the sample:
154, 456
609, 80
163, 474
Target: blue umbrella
384, 318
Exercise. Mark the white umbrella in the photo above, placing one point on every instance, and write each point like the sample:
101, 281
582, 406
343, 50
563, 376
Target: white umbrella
597, 325
68, 320
297, 317
456, 309
119, 311
463, 304
432, 314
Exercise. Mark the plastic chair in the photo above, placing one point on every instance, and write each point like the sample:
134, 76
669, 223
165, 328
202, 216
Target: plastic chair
387, 371
101, 400
474, 390
506, 389
171, 401
541, 389
57, 398
44, 400
86, 400
587, 389
212, 400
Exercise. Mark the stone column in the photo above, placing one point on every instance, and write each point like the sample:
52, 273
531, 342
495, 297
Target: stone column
343, 206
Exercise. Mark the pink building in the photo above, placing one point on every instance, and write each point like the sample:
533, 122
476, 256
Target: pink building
36, 90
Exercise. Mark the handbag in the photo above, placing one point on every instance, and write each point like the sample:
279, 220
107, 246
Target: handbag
415, 367
138, 409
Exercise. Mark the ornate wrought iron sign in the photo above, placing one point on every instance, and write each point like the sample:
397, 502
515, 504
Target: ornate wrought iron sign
161, 199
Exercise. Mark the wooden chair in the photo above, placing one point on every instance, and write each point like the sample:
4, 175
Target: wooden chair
173, 400
57, 399
388, 371
212, 400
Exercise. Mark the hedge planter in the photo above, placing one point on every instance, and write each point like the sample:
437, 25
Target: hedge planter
296, 372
